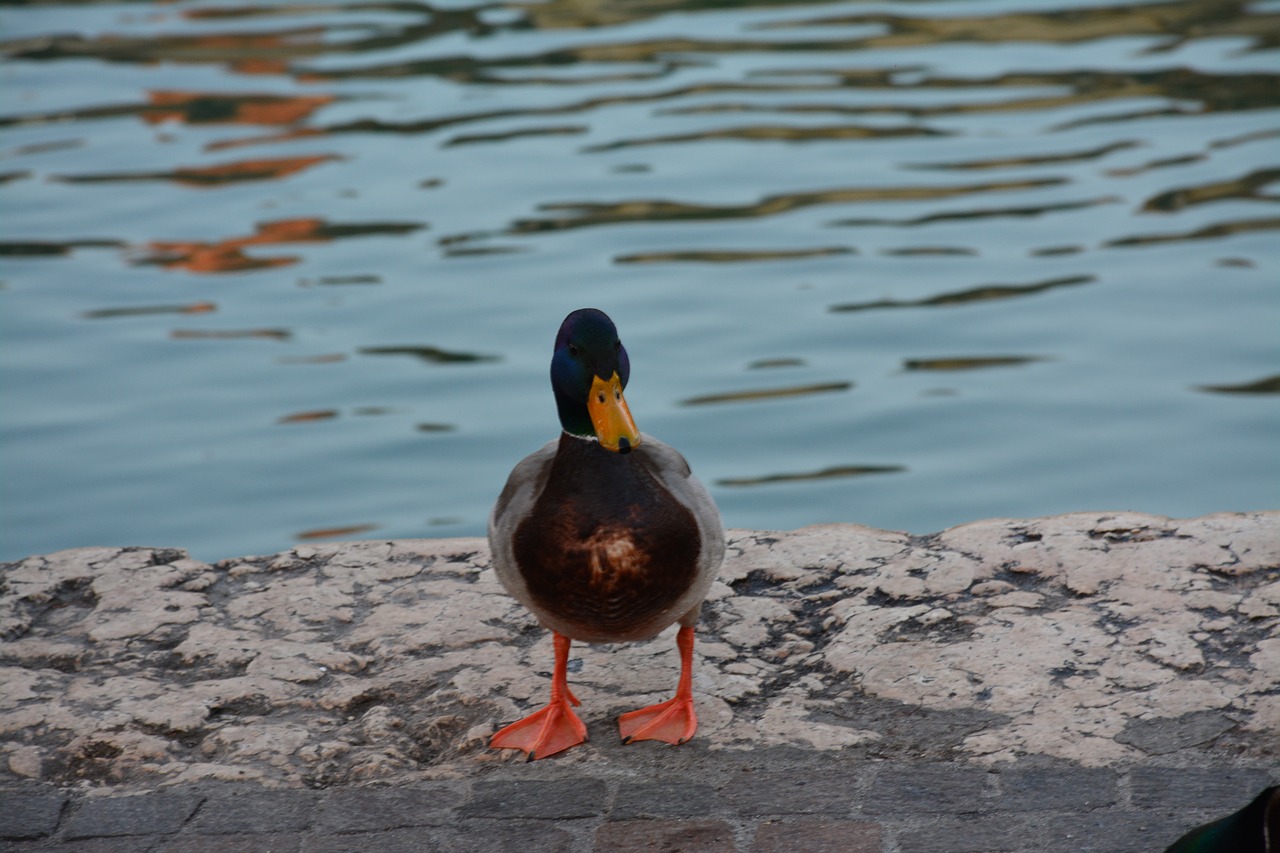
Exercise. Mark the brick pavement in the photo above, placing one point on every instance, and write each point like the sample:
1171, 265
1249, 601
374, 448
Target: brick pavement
772, 801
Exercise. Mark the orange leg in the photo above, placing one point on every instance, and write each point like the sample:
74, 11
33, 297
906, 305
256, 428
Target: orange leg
672, 721
554, 728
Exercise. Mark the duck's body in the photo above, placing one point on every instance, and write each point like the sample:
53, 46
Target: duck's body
604, 547
606, 536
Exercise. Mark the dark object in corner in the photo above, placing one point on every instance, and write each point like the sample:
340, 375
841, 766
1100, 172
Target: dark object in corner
1253, 829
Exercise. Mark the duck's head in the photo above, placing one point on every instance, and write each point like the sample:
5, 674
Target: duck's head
588, 373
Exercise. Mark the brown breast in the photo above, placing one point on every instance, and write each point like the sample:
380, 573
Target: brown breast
607, 547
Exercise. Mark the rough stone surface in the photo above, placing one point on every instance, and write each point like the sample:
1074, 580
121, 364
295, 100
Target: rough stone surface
933, 788
156, 815
817, 837
30, 815
786, 792
1034, 789
366, 809
653, 799
261, 811
664, 836
1067, 679
546, 799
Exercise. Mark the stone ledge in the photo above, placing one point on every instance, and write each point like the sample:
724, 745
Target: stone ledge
1000, 813
1101, 639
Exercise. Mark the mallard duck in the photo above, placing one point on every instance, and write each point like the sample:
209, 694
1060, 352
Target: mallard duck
606, 536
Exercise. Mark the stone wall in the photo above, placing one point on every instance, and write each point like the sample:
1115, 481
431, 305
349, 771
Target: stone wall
1100, 639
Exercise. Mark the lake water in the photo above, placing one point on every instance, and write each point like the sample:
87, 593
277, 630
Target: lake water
292, 271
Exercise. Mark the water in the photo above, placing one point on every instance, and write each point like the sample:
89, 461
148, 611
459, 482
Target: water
286, 272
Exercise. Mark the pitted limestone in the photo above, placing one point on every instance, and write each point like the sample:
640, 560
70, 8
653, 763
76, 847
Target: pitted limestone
373, 661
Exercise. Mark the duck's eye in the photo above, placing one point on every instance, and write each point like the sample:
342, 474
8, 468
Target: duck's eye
617, 345
574, 350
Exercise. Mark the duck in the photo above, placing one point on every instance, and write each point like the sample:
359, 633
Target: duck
605, 536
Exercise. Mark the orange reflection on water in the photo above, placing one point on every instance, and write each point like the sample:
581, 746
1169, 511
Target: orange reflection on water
250, 170
213, 108
260, 66
308, 417
147, 310
334, 532
212, 258
252, 53
209, 176
228, 255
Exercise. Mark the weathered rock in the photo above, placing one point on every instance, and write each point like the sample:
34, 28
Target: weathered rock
1099, 638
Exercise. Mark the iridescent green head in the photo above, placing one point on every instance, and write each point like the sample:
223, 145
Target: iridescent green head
589, 371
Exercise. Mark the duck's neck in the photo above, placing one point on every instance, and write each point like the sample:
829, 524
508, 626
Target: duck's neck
574, 418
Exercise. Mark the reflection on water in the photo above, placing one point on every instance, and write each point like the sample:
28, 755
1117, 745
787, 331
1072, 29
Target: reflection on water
227, 255
324, 358
230, 334
983, 293
481, 138
308, 417
431, 354
924, 251
343, 532
341, 279
1040, 160
1248, 187
768, 393
1270, 385
145, 310
48, 248
581, 214
210, 176
1022, 212
743, 184
730, 257
766, 363
968, 363
825, 474
774, 133
1177, 21
191, 108
1222, 229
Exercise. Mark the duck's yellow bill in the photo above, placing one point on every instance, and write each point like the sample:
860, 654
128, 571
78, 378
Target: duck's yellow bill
610, 415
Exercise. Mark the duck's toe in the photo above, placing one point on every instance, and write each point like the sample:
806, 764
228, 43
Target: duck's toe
672, 721
552, 729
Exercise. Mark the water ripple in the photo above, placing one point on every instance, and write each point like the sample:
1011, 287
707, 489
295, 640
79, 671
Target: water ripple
265, 173
756, 394
834, 472
982, 293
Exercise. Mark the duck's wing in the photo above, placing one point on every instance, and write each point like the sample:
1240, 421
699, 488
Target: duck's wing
672, 470
524, 485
